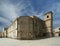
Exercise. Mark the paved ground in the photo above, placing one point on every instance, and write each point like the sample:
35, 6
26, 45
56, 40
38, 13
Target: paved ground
43, 42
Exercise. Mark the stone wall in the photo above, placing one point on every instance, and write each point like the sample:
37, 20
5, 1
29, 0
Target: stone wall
49, 23
12, 30
25, 28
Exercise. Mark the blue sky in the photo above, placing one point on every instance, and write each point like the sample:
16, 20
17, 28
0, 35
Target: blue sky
11, 9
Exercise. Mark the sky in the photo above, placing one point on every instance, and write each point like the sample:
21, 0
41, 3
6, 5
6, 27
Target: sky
11, 9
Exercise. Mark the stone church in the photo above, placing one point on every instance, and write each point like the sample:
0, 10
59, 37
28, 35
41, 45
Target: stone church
31, 27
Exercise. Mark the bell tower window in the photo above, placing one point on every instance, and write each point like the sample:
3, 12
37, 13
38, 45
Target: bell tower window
47, 16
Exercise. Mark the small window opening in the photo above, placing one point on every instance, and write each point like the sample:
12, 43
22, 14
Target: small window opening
47, 16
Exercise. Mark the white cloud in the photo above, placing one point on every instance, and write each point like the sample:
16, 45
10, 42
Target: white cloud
4, 21
10, 11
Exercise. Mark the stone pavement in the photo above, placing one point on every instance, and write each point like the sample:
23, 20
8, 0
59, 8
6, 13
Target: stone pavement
55, 41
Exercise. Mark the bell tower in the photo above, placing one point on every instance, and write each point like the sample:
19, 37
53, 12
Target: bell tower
48, 17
